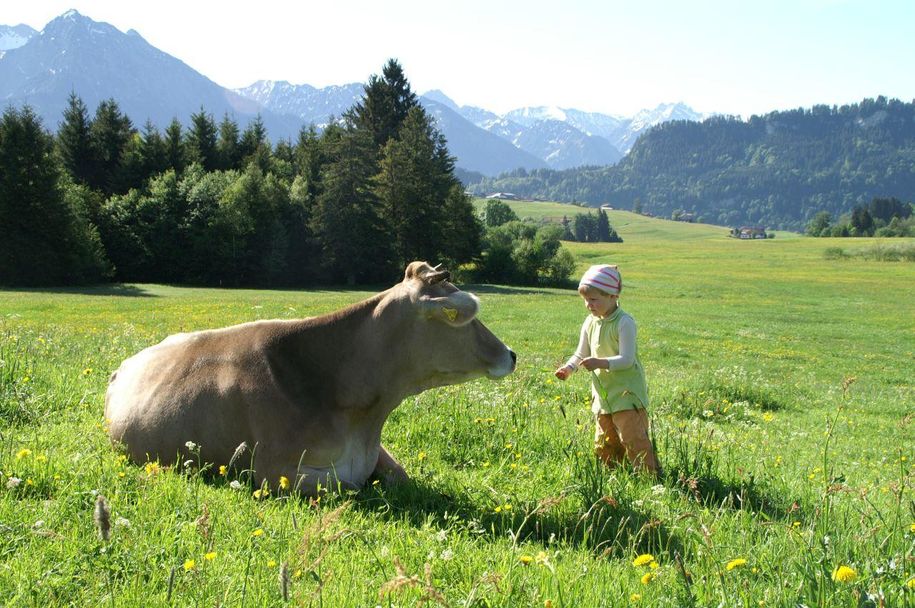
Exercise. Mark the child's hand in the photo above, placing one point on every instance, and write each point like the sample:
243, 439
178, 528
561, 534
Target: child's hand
592, 363
563, 372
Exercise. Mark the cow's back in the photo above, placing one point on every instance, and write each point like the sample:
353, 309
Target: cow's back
187, 387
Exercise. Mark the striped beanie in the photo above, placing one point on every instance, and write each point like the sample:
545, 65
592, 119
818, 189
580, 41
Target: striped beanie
603, 277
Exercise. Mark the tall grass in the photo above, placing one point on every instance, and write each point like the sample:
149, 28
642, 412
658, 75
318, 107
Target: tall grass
782, 409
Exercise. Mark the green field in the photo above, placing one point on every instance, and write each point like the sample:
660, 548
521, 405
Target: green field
784, 416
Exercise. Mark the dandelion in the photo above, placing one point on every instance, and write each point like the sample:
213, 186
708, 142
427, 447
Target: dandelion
910, 584
647, 578
23, 453
189, 565
261, 493
284, 482
102, 517
152, 468
210, 556
547, 603
258, 532
421, 456
526, 559
736, 563
912, 528
643, 560
635, 597
223, 470
271, 563
844, 574
87, 371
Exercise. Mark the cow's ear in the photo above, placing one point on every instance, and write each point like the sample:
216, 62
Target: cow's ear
457, 309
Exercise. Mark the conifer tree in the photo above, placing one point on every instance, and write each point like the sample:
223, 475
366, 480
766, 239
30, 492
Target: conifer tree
201, 141
74, 141
43, 240
387, 101
227, 144
110, 133
175, 151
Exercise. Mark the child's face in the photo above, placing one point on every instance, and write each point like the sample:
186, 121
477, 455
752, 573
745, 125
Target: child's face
599, 303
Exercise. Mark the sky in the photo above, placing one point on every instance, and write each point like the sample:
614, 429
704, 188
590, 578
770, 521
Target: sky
616, 57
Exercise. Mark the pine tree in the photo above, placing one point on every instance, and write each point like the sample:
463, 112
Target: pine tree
110, 133
175, 149
201, 141
74, 141
227, 145
385, 104
346, 223
253, 140
603, 227
43, 239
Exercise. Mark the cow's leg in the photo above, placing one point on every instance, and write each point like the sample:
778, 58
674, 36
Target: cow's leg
389, 470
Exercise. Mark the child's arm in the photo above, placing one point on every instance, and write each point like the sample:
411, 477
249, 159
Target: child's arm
583, 351
627, 335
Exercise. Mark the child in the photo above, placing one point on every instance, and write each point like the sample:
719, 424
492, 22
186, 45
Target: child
620, 395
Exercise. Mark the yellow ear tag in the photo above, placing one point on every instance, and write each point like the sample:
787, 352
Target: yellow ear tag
451, 313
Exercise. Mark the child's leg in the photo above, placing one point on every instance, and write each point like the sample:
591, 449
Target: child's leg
607, 444
633, 433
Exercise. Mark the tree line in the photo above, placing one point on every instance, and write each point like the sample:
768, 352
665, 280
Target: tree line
777, 170
212, 204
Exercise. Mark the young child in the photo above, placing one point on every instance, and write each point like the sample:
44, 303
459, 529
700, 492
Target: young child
607, 348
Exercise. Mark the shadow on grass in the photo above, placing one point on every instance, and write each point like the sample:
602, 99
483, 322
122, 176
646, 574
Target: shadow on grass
113, 289
747, 494
607, 527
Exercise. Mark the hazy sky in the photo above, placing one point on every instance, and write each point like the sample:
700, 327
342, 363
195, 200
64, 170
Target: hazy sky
611, 56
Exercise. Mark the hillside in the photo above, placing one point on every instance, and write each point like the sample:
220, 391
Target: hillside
777, 170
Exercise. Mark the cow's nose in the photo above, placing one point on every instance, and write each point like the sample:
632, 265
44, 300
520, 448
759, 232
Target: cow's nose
514, 357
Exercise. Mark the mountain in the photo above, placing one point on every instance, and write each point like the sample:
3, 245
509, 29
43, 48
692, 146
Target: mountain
777, 170
309, 104
97, 61
12, 37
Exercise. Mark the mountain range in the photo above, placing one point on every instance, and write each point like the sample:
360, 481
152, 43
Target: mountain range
74, 54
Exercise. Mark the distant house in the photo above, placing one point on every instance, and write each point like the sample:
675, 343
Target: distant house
505, 196
751, 232
686, 217
606, 207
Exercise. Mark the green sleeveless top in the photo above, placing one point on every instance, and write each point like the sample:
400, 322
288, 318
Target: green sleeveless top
618, 390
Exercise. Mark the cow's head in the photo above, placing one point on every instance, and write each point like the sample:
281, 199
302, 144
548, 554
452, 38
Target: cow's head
452, 343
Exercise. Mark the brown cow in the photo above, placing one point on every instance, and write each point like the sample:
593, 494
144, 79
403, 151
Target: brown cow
309, 396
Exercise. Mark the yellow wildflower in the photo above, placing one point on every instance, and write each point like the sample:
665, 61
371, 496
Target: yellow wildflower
912, 528
87, 371
271, 563
261, 493
647, 578
910, 584
23, 453
258, 532
547, 603
635, 597
189, 565
151, 468
844, 574
223, 470
526, 559
736, 563
643, 560
284, 482
422, 456
210, 556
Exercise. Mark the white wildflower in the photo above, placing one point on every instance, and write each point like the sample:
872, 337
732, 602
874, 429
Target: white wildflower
235, 484
191, 446
447, 555
13, 482
122, 522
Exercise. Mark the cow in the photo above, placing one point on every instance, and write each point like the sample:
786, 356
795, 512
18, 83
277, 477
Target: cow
309, 397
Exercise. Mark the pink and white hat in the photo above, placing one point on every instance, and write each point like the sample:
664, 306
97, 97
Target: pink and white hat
603, 277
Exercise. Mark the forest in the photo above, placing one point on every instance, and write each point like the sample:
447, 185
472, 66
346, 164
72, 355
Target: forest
214, 204
777, 170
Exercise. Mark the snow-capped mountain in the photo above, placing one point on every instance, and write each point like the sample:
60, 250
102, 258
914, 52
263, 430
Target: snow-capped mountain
310, 104
14, 36
95, 60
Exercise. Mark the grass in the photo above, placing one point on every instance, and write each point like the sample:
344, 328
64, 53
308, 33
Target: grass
783, 411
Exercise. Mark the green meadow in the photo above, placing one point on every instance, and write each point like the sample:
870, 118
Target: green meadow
783, 410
